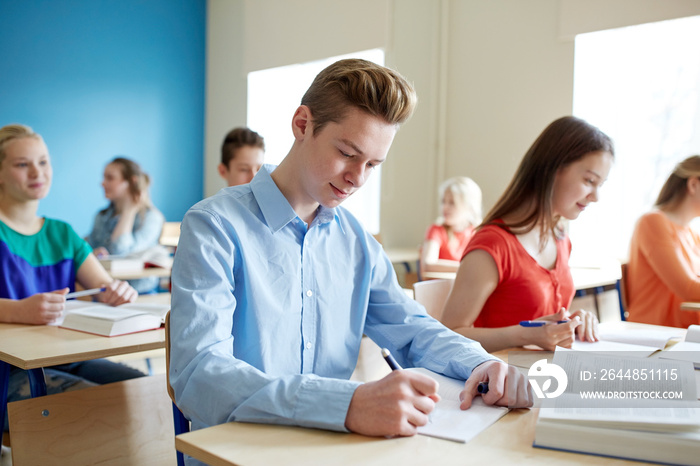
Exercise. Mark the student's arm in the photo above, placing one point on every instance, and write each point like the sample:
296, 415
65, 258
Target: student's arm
125, 239
91, 274
39, 309
417, 340
661, 247
476, 279
430, 261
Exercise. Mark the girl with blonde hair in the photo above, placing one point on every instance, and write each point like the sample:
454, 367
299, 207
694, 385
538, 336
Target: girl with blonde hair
446, 240
664, 262
42, 259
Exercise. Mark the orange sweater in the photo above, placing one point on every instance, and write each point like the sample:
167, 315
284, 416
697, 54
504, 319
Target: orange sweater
663, 272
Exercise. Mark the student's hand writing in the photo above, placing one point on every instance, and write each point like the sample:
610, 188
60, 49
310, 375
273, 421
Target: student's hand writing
588, 330
554, 334
118, 292
41, 308
507, 386
392, 406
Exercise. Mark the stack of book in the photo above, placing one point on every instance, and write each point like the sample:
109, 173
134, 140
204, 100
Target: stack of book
640, 421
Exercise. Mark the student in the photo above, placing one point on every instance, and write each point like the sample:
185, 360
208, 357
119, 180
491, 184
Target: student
241, 156
130, 223
515, 267
446, 240
41, 259
664, 263
274, 285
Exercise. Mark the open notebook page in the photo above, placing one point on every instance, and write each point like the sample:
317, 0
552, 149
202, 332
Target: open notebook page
448, 421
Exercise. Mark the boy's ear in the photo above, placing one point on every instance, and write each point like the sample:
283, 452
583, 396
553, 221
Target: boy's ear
223, 169
301, 122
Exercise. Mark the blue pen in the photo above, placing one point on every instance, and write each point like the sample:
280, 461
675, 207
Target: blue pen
483, 388
538, 323
78, 294
390, 360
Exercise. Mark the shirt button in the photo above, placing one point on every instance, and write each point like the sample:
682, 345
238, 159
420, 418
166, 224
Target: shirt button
308, 345
309, 293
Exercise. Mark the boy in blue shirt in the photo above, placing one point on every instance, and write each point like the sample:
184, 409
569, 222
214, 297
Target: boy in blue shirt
274, 285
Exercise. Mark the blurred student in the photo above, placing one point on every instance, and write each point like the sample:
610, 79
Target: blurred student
516, 267
130, 223
42, 259
446, 240
274, 284
664, 262
241, 156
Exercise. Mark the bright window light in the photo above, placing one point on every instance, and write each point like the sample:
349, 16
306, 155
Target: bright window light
641, 86
273, 96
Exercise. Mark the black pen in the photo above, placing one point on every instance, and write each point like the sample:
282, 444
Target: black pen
483, 388
390, 360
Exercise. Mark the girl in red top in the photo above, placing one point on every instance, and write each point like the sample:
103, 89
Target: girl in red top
445, 241
516, 266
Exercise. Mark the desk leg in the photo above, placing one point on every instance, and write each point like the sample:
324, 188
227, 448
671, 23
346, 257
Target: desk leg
4, 384
37, 382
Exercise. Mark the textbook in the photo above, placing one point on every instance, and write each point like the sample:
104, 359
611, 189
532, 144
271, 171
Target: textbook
448, 421
633, 426
156, 256
110, 321
121, 264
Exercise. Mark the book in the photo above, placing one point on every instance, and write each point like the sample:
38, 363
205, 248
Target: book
687, 350
156, 256
618, 332
448, 421
101, 319
121, 264
663, 430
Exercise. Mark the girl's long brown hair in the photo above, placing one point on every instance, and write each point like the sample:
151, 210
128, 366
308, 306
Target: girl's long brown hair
563, 142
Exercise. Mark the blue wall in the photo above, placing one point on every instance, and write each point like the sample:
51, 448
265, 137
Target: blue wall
99, 78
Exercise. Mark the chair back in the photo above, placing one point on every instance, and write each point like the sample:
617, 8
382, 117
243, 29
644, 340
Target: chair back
180, 422
623, 291
170, 234
171, 393
432, 294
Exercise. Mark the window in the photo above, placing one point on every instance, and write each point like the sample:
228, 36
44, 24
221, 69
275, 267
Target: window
641, 86
273, 96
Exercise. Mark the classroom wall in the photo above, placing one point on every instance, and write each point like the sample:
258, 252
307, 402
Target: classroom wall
101, 78
490, 76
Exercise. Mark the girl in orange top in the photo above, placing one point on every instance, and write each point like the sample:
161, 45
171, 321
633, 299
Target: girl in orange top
446, 240
516, 265
664, 265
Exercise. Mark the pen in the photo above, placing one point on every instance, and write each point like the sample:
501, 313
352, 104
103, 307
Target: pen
483, 387
538, 323
78, 294
390, 360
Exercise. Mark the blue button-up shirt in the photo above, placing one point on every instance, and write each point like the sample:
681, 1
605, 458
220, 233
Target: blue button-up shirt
268, 312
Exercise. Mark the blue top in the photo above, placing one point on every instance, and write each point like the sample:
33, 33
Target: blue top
268, 313
45, 261
145, 234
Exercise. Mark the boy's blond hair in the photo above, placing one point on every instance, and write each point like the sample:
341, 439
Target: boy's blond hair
353, 82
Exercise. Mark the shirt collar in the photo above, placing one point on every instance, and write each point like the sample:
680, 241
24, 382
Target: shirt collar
276, 208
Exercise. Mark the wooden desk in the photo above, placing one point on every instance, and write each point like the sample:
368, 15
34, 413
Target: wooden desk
39, 346
508, 441
584, 277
